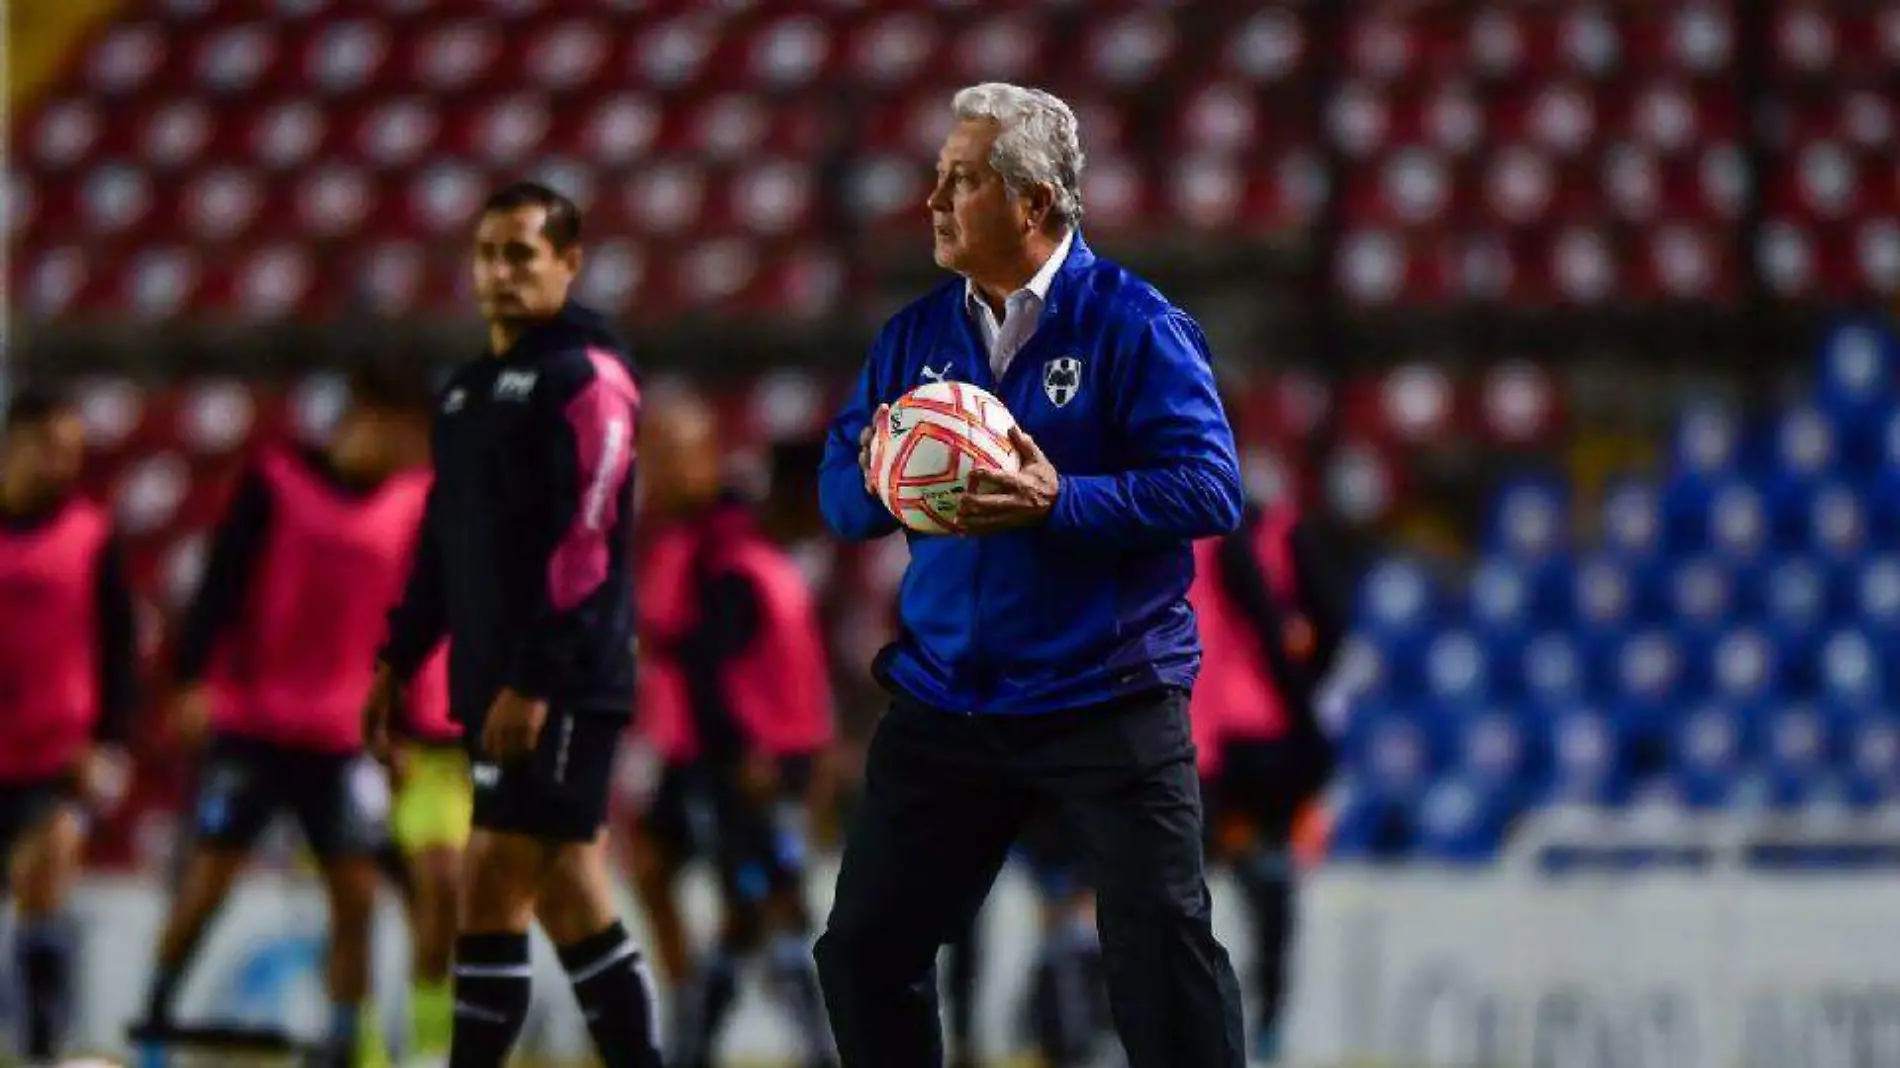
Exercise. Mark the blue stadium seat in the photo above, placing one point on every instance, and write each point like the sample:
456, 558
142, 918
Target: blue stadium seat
1367, 826
1584, 754
1492, 747
1361, 673
1870, 744
1392, 752
1462, 822
1551, 670
1742, 666
1632, 521
1498, 597
1849, 670
1648, 672
1708, 756
1806, 444
1603, 600
1876, 595
1398, 610
1529, 520
1457, 671
1884, 486
1738, 525
1706, 459
1701, 596
1793, 595
1857, 385
1798, 755
1837, 523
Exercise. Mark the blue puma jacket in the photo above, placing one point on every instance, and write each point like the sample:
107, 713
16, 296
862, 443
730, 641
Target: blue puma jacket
1116, 388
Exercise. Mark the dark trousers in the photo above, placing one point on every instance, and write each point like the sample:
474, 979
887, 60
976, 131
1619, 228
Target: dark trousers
944, 797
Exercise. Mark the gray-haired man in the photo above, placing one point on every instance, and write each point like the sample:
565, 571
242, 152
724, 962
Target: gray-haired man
1044, 661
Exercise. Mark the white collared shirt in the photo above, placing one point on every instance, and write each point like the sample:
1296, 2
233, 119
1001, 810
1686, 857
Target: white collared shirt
1022, 310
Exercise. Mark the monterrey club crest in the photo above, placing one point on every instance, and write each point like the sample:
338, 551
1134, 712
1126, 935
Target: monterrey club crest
1062, 380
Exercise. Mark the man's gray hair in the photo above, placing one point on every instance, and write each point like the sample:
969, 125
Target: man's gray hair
1038, 144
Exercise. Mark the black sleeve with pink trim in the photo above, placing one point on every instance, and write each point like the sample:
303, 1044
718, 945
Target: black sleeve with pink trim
581, 628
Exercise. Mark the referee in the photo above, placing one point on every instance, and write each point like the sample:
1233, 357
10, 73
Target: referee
523, 564
1043, 663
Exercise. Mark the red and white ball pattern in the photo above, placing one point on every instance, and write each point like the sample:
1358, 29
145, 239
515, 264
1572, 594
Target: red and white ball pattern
923, 450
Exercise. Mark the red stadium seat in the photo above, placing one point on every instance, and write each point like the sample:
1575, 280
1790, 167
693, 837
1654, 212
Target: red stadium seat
1221, 118
1685, 262
773, 198
391, 277
287, 133
1008, 46
221, 204
444, 198
1359, 119
1695, 39
50, 285
1266, 46
63, 133
1117, 193
611, 279
666, 198
1520, 405
451, 56
126, 59
673, 53
341, 58
394, 132
1382, 45
1127, 50
789, 52
1379, 266
570, 56
620, 129
115, 198
892, 49
233, 61
1583, 265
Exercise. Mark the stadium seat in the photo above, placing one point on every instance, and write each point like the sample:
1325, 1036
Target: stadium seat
1462, 822
1708, 757
1799, 756
1585, 759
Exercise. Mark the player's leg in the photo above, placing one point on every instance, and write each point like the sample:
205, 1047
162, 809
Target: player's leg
930, 833
44, 865
654, 864
612, 983
501, 872
962, 964
343, 805
430, 827
1066, 999
1172, 989
576, 904
783, 830
1260, 787
238, 793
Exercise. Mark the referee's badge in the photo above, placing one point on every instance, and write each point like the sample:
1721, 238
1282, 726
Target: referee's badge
1062, 380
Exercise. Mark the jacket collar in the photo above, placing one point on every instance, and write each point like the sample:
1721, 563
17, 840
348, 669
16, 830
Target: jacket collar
575, 326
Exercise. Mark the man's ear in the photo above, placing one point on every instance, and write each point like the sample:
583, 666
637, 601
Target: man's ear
1038, 202
571, 258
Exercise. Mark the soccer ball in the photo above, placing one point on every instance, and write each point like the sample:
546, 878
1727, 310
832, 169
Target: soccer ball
923, 450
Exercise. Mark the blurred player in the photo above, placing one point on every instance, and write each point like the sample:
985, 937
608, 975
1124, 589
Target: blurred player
525, 565
272, 667
68, 689
1068, 992
430, 827
1271, 612
734, 693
